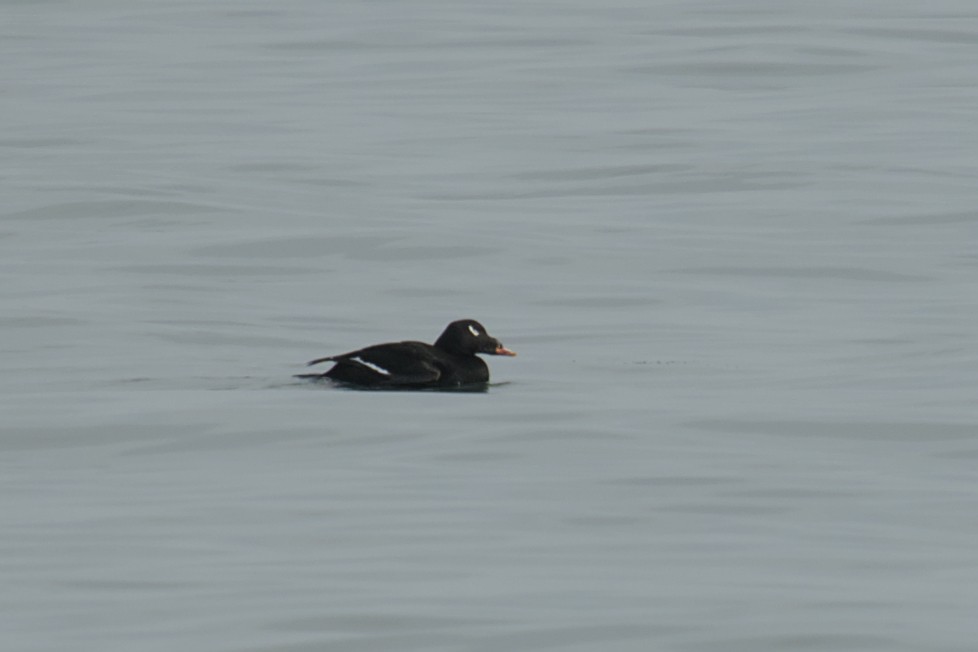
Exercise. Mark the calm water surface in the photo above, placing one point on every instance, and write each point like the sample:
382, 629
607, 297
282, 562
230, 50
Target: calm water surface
733, 243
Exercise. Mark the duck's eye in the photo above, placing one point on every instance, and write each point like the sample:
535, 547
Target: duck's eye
474, 330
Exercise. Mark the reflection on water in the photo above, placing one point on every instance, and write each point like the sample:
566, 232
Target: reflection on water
321, 380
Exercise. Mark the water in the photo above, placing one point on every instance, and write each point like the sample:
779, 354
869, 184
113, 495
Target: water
733, 243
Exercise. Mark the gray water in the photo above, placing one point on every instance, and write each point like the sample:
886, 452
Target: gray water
734, 244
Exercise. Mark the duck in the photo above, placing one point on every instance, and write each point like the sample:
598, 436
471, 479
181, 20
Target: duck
452, 361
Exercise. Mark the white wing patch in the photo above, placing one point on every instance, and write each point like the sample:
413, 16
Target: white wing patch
371, 365
474, 330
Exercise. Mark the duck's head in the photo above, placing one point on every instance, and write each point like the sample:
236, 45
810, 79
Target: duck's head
468, 337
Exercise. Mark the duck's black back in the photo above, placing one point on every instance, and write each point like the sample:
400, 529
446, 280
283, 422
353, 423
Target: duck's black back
407, 364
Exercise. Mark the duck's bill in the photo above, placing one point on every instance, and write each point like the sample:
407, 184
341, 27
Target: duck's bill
502, 350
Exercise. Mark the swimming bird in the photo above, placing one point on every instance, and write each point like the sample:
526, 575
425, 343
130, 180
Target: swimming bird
450, 362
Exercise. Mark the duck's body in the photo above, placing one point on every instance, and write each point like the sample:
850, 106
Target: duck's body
450, 362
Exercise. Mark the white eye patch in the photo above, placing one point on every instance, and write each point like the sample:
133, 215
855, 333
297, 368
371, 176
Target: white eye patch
474, 330
371, 365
